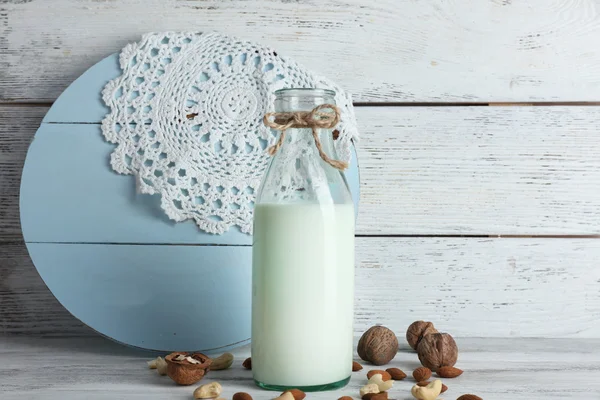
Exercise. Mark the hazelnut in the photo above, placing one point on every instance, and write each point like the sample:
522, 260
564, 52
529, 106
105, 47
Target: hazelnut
437, 350
378, 345
417, 330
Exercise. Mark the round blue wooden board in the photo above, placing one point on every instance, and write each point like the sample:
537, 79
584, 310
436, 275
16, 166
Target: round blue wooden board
111, 256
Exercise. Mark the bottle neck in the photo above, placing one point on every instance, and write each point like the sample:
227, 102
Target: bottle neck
302, 139
302, 102
304, 170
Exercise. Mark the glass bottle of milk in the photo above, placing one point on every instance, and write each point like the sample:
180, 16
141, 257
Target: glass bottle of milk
303, 261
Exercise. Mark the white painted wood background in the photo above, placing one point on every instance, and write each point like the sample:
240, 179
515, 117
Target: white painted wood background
445, 177
441, 170
385, 50
435, 170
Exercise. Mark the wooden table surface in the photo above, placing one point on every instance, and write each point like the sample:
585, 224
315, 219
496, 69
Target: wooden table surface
495, 369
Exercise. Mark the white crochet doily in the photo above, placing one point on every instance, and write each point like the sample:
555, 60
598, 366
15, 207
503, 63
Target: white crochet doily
186, 116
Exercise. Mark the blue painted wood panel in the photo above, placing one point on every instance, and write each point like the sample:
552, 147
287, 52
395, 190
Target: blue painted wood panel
154, 297
83, 199
111, 256
69, 193
82, 100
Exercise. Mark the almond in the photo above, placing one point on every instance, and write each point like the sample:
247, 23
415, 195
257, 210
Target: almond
469, 397
297, 393
356, 367
384, 374
423, 383
444, 388
396, 373
247, 363
449, 372
375, 396
421, 374
241, 396
345, 398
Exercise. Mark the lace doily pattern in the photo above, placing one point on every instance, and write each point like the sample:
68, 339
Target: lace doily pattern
186, 116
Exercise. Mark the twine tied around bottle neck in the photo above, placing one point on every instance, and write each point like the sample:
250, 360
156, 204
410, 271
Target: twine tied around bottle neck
314, 119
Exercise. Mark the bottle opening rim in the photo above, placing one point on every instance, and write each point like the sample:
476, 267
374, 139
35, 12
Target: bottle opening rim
293, 92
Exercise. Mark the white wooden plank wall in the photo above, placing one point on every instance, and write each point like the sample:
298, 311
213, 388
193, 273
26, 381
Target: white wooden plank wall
434, 170
385, 50
480, 170
469, 286
430, 172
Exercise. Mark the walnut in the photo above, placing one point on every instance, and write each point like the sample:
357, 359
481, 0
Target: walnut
378, 345
184, 372
437, 350
417, 330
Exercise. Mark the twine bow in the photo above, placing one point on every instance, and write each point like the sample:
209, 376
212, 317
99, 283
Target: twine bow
306, 119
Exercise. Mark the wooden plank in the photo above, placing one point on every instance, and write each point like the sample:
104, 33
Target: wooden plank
392, 50
17, 127
84, 200
479, 170
470, 287
495, 369
481, 287
26, 305
121, 291
435, 170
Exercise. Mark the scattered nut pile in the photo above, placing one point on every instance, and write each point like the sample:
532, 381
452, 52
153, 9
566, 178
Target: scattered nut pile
436, 351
